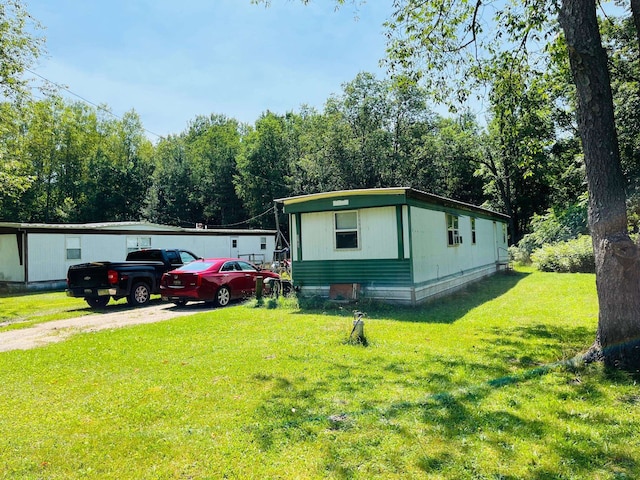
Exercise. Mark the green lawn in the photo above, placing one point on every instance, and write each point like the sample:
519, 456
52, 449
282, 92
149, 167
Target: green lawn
29, 309
470, 387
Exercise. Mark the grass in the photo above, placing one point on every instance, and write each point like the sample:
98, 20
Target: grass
26, 310
469, 387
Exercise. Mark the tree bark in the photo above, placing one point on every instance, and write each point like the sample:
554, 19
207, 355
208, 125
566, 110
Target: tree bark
617, 257
635, 13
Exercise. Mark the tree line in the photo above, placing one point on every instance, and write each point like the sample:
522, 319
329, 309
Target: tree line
69, 162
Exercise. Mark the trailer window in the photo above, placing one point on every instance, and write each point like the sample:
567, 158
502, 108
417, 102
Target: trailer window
138, 243
453, 231
74, 251
346, 230
473, 230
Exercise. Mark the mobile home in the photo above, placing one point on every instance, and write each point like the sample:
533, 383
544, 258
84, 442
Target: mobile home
398, 245
38, 255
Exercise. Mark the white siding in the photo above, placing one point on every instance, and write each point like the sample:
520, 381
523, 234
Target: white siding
406, 231
430, 253
433, 258
377, 236
10, 268
47, 257
47, 251
294, 237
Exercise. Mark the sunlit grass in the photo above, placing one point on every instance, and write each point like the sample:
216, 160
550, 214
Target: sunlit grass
473, 386
26, 310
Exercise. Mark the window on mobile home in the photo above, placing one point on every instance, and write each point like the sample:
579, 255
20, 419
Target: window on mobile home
453, 230
473, 231
74, 251
346, 230
138, 243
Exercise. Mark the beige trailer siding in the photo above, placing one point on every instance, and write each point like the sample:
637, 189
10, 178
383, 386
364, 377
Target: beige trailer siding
376, 239
434, 259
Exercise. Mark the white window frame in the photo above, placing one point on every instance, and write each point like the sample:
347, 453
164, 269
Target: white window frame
138, 243
263, 243
341, 231
73, 244
453, 230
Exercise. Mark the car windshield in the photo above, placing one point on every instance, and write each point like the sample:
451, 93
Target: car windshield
196, 266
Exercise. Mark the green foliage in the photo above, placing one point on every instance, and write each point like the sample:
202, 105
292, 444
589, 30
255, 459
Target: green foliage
566, 257
72, 166
169, 201
621, 40
516, 160
551, 228
264, 164
452, 45
20, 47
213, 145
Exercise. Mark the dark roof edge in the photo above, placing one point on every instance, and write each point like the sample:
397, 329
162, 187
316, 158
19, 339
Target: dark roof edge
408, 192
444, 201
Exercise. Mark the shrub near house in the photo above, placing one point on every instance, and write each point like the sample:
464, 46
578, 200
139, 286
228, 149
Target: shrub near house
573, 256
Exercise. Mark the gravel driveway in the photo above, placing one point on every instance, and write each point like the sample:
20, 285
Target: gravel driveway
58, 330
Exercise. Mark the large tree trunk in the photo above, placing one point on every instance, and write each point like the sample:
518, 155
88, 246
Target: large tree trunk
635, 13
617, 257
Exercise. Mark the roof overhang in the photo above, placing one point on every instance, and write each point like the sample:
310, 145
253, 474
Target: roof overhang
376, 197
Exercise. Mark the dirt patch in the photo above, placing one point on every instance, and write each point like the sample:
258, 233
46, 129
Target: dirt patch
58, 330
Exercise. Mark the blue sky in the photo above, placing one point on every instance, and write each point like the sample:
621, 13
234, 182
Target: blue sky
172, 61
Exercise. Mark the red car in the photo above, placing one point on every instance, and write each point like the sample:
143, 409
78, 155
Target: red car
217, 280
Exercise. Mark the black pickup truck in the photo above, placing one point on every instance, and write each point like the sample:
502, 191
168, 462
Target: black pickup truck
136, 278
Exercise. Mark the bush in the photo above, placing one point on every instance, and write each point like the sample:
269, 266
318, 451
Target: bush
550, 228
568, 257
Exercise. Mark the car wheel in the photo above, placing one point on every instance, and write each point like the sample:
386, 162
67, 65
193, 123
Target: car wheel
179, 303
98, 302
223, 296
140, 295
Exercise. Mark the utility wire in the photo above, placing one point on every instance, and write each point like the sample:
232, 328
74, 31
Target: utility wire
99, 107
244, 221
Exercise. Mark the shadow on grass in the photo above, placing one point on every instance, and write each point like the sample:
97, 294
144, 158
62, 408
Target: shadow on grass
442, 310
468, 420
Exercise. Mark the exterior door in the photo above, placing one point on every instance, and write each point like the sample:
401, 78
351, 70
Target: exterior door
234, 252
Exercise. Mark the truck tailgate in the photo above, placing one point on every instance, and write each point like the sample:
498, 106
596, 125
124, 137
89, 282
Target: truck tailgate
88, 275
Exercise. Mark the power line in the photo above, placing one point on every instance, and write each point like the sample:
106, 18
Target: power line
244, 221
99, 107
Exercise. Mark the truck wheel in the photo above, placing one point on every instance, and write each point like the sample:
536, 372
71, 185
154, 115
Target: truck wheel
223, 296
140, 295
98, 302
